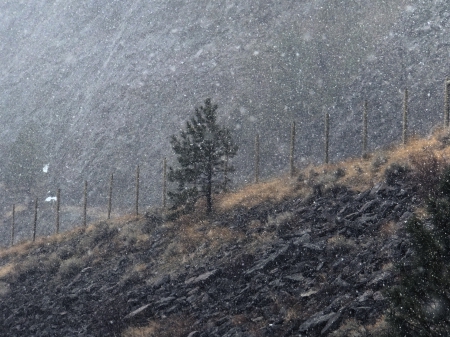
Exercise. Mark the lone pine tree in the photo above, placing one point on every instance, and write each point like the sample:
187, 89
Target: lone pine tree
420, 303
203, 151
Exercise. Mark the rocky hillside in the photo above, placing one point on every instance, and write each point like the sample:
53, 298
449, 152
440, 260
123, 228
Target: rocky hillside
306, 256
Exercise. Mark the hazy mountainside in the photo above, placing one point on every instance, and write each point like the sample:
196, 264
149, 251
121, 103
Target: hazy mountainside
413, 55
102, 84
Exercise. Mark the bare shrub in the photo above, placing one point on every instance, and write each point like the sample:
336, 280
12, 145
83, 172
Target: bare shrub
340, 243
378, 161
396, 174
427, 171
173, 326
70, 267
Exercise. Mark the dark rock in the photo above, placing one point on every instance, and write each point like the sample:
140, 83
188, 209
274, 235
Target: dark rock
295, 277
194, 334
339, 282
332, 322
138, 312
405, 217
203, 278
369, 206
378, 296
306, 238
165, 279
381, 279
270, 261
316, 320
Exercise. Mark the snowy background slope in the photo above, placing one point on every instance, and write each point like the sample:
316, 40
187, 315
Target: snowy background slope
100, 85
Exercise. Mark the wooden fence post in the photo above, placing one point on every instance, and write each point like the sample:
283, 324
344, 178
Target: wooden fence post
110, 195
225, 174
292, 150
405, 118
364, 133
137, 190
13, 224
58, 205
446, 103
35, 219
257, 158
85, 204
164, 191
327, 136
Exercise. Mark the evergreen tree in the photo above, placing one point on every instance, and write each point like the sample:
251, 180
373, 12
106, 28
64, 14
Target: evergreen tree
420, 303
203, 151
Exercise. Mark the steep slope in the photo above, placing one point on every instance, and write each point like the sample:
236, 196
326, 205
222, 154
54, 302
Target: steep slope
309, 255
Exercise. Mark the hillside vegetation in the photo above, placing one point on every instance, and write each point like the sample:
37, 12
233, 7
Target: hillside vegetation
310, 254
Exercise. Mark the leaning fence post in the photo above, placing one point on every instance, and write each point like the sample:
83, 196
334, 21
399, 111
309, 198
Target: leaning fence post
35, 219
292, 150
13, 224
110, 195
137, 190
164, 191
327, 136
85, 204
257, 158
58, 205
446, 103
364, 152
405, 117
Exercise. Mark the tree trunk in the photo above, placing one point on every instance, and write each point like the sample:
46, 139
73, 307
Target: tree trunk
209, 176
209, 191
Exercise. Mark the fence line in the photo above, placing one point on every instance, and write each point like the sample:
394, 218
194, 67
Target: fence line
405, 118
257, 158
292, 152
256, 163
85, 204
58, 204
164, 191
137, 190
110, 195
327, 136
13, 224
364, 131
35, 219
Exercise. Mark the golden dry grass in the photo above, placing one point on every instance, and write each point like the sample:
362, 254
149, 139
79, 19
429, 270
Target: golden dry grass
6, 270
149, 331
340, 242
273, 190
194, 239
388, 229
179, 326
380, 327
359, 174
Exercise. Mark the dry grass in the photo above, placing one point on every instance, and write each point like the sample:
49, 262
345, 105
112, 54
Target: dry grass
195, 239
178, 326
350, 328
388, 229
149, 331
71, 267
273, 190
424, 154
6, 270
340, 242
379, 328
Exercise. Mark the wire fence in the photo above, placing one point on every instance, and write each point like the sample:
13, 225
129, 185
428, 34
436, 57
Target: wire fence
84, 218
